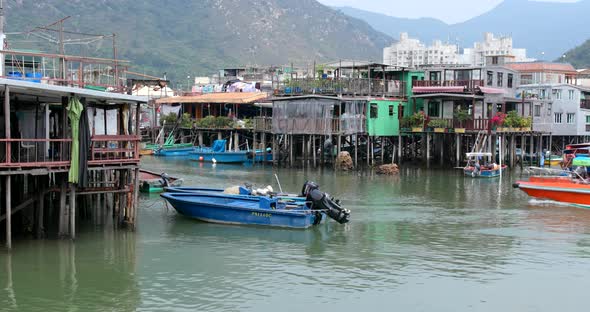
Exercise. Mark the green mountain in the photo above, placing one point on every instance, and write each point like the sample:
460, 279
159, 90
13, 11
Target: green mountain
578, 56
184, 37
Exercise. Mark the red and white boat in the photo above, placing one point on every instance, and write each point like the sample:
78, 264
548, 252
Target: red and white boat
560, 189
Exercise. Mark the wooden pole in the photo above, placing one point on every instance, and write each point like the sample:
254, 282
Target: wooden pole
8, 212
512, 149
8, 158
368, 150
72, 211
382, 149
356, 147
63, 219
458, 150
399, 147
135, 199
41, 206
314, 151
428, 149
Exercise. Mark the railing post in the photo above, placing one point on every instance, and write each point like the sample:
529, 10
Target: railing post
7, 122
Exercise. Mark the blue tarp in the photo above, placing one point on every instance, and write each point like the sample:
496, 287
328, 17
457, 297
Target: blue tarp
219, 146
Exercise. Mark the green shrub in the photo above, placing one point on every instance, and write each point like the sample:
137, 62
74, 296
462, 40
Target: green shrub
169, 119
438, 123
512, 120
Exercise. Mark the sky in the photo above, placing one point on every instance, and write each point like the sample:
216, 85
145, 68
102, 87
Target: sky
450, 11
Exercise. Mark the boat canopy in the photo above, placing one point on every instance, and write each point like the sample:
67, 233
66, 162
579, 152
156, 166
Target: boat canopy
479, 154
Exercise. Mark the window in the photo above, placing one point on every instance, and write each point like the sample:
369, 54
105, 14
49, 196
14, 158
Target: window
510, 80
570, 94
537, 110
433, 109
494, 60
500, 79
571, 118
526, 79
391, 110
557, 119
374, 110
557, 94
490, 80
543, 94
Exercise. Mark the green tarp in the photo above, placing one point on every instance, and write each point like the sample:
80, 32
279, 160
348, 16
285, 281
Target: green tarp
74, 112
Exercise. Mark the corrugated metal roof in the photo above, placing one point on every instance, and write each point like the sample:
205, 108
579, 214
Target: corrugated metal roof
54, 93
217, 98
542, 67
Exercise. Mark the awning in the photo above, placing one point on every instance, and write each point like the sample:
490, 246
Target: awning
217, 98
437, 89
489, 90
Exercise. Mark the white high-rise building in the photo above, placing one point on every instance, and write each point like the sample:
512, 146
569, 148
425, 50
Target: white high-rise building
409, 52
412, 53
493, 46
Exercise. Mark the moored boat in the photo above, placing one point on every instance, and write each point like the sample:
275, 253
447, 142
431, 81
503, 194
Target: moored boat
175, 150
253, 210
152, 182
259, 210
561, 189
243, 191
486, 170
218, 154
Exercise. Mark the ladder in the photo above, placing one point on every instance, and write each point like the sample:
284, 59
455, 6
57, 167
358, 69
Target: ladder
480, 142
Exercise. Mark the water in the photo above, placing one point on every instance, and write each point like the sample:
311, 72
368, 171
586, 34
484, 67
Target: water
421, 241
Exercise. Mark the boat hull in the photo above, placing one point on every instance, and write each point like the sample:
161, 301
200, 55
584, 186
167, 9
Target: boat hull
484, 173
240, 211
184, 151
224, 157
188, 189
558, 189
151, 182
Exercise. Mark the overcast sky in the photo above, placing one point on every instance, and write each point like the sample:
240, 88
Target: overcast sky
450, 11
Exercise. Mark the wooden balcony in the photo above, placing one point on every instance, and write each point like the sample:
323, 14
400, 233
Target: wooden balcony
478, 124
56, 153
345, 86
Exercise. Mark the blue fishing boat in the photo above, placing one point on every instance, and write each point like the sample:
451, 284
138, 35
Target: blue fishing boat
259, 210
243, 191
218, 154
478, 168
174, 151
254, 210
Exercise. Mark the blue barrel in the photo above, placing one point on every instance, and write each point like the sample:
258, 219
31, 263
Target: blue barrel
15, 75
34, 77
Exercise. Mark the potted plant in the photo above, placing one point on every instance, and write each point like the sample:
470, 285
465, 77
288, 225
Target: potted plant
462, 116
512, 121
418, 121
439, 125
526, 123
497, 121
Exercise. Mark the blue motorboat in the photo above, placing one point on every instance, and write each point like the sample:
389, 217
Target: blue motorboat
174, 151
211, 206
218, 154
253, 210
243, 191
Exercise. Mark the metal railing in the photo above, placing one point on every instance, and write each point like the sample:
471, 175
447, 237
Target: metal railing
34, 152
469, 84
117, 149
349, 86
477, 124
52, 153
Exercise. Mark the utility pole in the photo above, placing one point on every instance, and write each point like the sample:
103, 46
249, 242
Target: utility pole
116, 69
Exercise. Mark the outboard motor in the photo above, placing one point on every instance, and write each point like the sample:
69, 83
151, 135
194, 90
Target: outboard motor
165, 179
321, 201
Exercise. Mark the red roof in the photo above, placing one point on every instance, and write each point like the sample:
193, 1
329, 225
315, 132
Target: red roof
536, 67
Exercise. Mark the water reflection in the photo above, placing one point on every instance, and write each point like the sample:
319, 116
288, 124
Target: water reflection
93, 273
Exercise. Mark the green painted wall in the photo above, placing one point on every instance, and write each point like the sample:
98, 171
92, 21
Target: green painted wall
386, 120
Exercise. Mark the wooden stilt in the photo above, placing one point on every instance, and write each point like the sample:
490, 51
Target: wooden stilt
442, 150
291, 141
275, 152
427, 142
399, 147
457, 150
135, 199
72, 211
200, 138
236, 141
512, 149
41, 207
382, 150
314, 152
368, 151
356, 152
8, 196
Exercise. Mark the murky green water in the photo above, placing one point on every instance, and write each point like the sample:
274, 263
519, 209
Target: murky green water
423, 241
